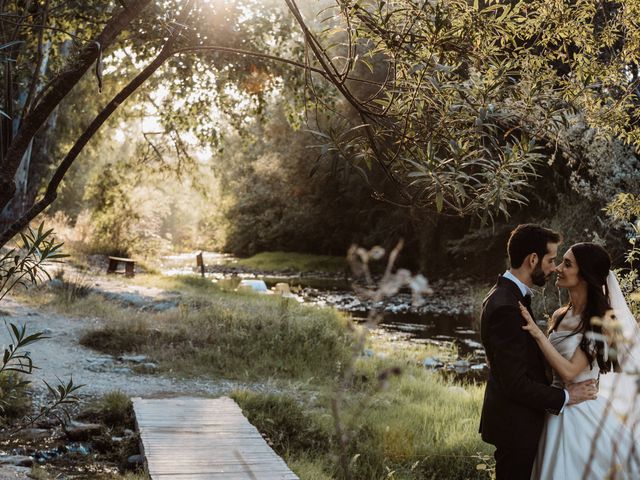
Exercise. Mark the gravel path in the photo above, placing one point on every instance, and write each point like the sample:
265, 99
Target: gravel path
62, 356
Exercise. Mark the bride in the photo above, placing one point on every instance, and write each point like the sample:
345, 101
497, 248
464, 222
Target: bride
588, 440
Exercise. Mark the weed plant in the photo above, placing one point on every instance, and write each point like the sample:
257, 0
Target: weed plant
14, 398
114, 409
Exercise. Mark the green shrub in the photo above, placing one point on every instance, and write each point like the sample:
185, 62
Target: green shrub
115, 409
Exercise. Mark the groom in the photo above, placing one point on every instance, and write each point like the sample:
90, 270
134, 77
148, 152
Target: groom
518, 392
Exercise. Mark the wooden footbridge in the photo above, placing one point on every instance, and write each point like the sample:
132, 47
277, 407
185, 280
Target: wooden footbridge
204, 438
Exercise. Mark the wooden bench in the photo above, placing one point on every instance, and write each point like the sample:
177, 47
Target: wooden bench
127, 262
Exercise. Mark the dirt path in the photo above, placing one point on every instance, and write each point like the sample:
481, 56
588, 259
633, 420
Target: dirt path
62, 356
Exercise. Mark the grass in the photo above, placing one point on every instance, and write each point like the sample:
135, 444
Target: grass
228, 334
114, 409
421, 426
299, 262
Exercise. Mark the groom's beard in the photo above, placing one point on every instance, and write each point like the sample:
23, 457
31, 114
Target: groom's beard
538, 277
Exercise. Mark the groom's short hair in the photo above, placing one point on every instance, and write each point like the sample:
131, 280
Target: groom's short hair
529, 238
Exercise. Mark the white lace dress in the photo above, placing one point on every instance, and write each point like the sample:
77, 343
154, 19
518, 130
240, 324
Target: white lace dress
566, 449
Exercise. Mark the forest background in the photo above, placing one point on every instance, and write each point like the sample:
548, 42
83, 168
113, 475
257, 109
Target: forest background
446, 124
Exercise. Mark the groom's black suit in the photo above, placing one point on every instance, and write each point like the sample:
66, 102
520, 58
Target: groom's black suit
518, 392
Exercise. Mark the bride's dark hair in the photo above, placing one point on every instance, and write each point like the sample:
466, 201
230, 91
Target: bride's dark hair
594, 264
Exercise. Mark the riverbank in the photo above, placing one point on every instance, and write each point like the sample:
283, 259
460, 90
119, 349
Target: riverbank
420, 425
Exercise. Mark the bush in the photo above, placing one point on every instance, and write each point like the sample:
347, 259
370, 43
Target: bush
115, 409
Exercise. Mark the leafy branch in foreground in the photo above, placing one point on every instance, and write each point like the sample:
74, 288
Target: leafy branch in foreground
16, 359
624, 210
13, 360
63, 396
24, 265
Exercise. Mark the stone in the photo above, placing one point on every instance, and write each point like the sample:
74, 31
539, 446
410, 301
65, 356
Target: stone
121, 370
82, 431
17, 460
148, 367
133, 358
461, 366
33, 434
433, 363
12, 472
134, 460
78, 448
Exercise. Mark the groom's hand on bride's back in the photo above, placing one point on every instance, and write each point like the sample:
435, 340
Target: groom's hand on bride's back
579, 392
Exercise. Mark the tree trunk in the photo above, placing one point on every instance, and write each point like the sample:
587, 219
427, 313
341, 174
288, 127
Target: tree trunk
52, 189
58, 89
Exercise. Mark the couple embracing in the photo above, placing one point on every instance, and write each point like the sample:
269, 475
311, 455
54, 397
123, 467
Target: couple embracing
541, 407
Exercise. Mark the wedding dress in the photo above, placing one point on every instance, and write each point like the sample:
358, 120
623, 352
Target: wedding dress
588, 440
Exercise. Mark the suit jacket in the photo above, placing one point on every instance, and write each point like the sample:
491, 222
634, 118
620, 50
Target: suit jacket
517, 392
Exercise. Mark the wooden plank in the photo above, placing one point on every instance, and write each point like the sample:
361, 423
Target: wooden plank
203, 438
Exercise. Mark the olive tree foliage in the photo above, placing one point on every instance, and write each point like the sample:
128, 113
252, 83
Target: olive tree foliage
467, 99
625, 210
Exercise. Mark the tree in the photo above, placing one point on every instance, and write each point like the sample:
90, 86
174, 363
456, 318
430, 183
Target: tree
183, 34
476, 95
458, 103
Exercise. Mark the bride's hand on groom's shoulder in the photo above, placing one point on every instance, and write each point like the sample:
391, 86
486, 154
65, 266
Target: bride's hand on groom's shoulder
530, 326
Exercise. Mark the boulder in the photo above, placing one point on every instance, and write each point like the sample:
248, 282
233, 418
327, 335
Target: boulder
17, 460
135, 460
77, 431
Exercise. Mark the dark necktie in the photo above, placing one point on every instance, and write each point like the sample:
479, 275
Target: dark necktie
526, 301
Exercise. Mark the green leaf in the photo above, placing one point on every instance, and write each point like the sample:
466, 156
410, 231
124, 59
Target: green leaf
439, 201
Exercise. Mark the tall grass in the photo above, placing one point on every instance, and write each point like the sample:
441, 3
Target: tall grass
231, 335
421, 427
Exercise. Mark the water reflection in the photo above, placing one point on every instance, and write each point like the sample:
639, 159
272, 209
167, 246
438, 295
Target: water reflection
441, 330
